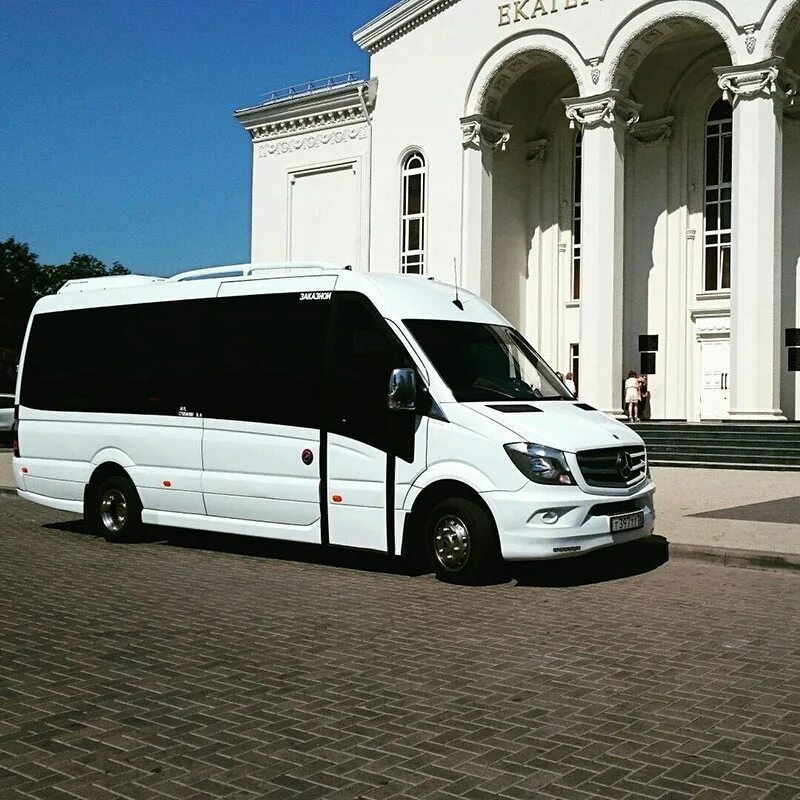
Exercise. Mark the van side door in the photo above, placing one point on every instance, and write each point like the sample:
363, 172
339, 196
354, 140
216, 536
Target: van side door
373, 454
261, 440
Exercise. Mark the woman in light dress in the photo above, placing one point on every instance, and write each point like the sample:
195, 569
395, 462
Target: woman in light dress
632, 396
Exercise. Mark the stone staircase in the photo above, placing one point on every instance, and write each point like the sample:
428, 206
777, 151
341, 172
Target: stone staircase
722, 445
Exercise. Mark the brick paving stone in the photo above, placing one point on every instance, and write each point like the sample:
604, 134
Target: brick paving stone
193, 667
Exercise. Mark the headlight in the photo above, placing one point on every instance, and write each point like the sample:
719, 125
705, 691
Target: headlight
540, 464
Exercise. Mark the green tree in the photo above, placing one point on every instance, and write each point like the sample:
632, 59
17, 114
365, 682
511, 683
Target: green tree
22, 282
50, 278
18, 272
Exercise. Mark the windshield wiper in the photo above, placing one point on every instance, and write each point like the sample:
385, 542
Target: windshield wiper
482, 383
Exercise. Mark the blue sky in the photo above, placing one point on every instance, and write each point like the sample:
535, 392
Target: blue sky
116, 134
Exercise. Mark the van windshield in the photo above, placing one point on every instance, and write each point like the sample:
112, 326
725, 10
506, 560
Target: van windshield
481, 362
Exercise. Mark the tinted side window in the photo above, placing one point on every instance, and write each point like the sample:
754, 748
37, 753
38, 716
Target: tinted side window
257, 358
134, 359
363, 354
267, 354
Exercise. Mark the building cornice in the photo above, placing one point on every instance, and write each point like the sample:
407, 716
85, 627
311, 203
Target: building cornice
397, 21
316, 111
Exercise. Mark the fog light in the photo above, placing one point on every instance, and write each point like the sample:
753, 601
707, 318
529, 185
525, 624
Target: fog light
549, 517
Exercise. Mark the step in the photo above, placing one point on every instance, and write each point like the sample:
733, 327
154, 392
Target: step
773, 440
723, 448
792, 427
718, 465
724, 458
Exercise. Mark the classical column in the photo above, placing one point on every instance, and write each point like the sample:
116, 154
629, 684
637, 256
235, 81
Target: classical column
604, 119
481, 137
758, 93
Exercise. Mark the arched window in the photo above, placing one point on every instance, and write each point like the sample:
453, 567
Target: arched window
577, 181
718, 188
413, 209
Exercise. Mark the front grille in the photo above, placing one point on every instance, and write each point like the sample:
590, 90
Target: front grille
621, 507
613, 467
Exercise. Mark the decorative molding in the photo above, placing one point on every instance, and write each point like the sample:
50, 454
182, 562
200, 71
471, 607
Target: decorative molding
750, 38
766, 79
293, 144
397, 21
654, 27
479, 131
711, 322
336, 107
779, 35
653, 132
609, 108
294, 126
535, 150
496, 79
594, 63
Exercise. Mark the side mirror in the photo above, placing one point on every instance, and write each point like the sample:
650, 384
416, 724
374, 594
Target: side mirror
403, 390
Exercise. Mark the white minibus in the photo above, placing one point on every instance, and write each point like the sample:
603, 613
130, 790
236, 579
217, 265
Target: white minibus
311, 403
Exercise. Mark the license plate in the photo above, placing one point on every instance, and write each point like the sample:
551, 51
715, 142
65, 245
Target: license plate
627, 522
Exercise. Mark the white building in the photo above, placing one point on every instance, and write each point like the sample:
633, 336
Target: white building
615, 175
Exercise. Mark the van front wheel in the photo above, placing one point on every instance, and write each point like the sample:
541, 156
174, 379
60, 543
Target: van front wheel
461, 542
116, 511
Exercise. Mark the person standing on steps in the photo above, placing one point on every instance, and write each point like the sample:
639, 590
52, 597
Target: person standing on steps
632, 396
644, 398
569, 382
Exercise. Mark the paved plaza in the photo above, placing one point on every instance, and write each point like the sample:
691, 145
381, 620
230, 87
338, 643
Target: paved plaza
199, 666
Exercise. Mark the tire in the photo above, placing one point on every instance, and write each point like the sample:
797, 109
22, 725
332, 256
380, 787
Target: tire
116, 511
461, 542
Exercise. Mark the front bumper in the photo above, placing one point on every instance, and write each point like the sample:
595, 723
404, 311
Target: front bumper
582, 520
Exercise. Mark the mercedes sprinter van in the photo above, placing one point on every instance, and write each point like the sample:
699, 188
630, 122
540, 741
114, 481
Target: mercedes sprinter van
310, 403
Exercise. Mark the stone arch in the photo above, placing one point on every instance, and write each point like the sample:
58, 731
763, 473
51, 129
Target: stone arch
511, 59
780, 27
643, 31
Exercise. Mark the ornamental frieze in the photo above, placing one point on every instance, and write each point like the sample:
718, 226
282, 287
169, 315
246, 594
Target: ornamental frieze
297, 143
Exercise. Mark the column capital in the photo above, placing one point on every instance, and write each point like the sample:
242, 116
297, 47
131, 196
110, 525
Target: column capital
609, 108
654, 131
764, 79
478, 131
535, 150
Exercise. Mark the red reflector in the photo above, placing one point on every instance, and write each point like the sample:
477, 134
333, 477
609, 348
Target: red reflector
337, 498
167, 484
24, 470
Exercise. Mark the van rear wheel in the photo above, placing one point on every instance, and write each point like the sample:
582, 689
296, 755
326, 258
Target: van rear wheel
116, 511
461, 542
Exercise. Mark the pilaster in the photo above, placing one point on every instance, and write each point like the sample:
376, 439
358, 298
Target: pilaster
604, 119
480, 137
758, 93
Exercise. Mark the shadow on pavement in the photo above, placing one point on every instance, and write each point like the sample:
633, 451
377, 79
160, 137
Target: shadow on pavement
609, 564
255, 547
614, 563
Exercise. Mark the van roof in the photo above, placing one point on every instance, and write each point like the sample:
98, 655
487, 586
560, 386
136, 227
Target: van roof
396, 296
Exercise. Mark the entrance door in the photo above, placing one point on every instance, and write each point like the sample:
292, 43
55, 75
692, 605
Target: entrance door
715, 360
373, 454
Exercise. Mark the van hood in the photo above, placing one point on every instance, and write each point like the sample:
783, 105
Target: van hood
560, 424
